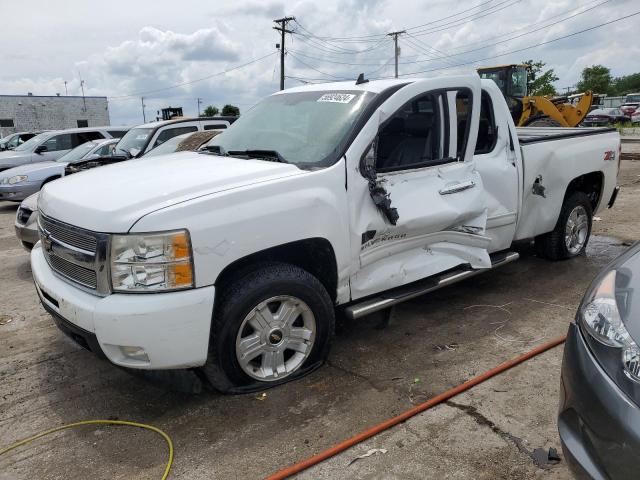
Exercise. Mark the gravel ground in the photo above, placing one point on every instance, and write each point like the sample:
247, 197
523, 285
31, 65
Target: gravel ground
431, 344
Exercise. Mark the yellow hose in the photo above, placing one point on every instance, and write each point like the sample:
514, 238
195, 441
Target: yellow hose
101, 422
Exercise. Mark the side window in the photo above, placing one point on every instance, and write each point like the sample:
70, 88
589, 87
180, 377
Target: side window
173, 132
83, 137
413, 137
221, 126
487, 129
60, 142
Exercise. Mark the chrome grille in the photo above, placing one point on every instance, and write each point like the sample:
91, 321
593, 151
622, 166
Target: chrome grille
69, 235
76, 254
81, 275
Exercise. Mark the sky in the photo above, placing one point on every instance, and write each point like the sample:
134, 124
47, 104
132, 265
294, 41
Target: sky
129, 49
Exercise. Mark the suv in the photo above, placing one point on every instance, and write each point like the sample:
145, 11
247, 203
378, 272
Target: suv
143, 138
50, 146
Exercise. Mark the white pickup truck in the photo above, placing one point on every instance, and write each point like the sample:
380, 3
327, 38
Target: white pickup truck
342, 196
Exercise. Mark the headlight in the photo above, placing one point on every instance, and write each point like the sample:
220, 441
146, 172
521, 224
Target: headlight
151, 262
17, 179
601, 319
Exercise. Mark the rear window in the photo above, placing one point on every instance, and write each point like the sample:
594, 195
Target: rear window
173, 132
117, 133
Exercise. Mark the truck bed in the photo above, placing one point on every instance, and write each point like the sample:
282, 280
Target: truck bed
528, 135
552, 158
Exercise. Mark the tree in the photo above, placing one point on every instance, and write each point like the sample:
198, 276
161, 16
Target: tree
596, 78
625, 84
230, 111
540, 83
210, 111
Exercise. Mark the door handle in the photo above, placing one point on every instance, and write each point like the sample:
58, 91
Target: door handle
457, 187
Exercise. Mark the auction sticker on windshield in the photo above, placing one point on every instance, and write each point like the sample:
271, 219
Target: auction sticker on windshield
336, 97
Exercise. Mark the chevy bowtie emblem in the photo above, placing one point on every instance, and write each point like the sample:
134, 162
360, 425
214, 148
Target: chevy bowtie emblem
47, 243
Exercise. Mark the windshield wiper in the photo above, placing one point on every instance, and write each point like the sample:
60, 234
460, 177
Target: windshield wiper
269, 155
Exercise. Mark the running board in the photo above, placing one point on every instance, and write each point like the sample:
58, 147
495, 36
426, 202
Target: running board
407, 292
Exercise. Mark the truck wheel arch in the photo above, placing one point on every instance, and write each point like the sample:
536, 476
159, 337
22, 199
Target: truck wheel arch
315, 255
591, 184
51, 179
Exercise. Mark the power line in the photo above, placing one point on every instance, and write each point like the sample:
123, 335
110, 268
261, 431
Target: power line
237, 67
526, 48
412, 41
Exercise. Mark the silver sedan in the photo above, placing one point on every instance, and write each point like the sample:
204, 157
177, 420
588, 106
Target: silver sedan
18, 183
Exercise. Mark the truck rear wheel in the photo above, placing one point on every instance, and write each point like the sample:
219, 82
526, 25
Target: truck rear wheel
270, 326
571, 234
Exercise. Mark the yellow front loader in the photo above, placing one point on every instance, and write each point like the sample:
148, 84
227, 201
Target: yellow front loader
536, 110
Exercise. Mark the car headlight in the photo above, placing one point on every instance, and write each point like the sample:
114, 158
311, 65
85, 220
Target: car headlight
152, 262
600, 319
17, 179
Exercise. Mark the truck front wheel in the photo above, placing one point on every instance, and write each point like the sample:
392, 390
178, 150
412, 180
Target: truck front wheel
270, 325
571, 234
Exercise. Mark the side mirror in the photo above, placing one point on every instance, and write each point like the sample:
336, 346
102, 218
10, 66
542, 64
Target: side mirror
40, 149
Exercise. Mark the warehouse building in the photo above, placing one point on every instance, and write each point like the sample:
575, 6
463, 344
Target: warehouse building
34, 112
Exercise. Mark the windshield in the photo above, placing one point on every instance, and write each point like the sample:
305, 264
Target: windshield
77, 153
169, 146
305, 128
31, 144
134, 138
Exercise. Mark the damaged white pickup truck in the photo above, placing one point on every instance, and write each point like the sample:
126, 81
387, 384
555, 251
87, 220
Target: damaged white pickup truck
349, 196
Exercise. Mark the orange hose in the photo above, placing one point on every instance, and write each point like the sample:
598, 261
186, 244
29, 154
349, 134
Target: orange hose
376, 429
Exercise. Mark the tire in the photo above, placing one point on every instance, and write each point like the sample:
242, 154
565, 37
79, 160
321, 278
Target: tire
246, 320
555, 245
544, 122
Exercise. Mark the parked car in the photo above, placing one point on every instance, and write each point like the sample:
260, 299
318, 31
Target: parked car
599, 417
15, 140
50, 146
635, 117
631, 103
187, 142
350, 195
143, 138
18, 183
26, 223
601, 117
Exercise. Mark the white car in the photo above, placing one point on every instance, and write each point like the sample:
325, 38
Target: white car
635, 117
346, 195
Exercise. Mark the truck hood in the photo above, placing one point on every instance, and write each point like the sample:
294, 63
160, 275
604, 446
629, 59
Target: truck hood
112, 198
34, 171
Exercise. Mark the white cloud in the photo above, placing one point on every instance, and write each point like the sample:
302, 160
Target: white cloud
131, 47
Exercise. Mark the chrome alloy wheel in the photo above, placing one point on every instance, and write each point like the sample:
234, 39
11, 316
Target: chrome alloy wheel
275, 338
576, 230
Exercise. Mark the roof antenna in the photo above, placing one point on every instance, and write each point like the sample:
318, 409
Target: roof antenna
361, 79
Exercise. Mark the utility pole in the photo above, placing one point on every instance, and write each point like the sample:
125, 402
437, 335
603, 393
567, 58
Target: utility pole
396, 49
282, 28
199, 103
144, 118
66, 92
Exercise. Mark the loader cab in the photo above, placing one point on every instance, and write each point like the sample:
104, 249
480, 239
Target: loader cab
512, 82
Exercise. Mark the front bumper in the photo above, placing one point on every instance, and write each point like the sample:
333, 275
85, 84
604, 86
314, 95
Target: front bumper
599, 425
19, 191
171, 328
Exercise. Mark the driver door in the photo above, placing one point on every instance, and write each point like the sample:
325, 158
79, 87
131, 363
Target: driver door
419, 206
